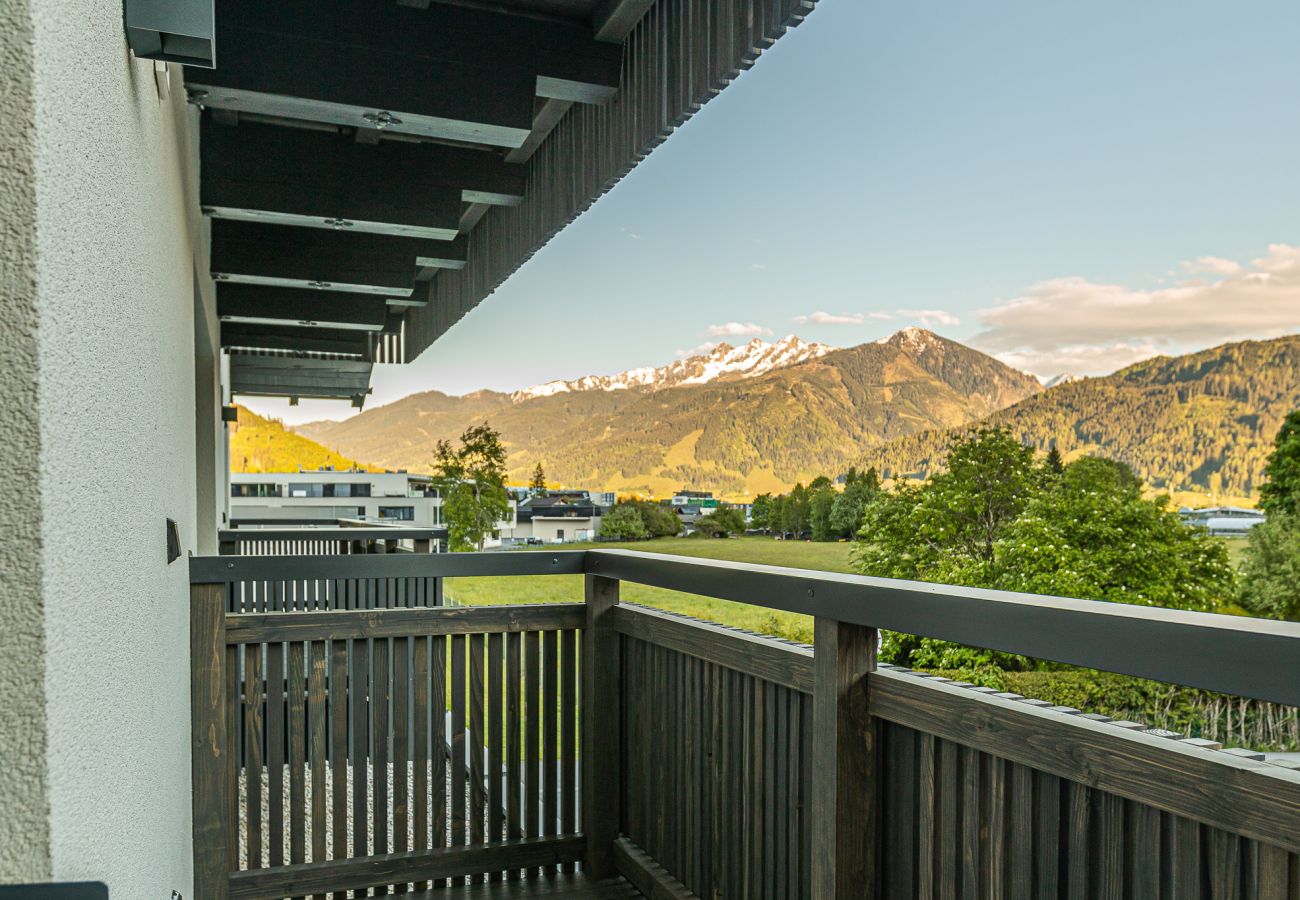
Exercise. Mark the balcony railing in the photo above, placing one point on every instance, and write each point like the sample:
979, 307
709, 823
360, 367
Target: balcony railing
313, 540
358, 742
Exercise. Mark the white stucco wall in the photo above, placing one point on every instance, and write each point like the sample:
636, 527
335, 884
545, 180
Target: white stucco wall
116, 285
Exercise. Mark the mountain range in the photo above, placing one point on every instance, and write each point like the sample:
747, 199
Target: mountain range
743, 420
737, 420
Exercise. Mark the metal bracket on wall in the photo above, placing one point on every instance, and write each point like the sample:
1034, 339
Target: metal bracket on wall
179, 31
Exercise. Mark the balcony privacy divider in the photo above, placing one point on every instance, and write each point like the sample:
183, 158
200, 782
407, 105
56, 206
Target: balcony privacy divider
714, 763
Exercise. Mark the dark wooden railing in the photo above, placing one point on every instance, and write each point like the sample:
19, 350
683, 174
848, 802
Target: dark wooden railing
326, 540
714, 763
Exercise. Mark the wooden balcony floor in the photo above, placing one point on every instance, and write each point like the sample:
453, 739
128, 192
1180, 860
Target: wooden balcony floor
575, 886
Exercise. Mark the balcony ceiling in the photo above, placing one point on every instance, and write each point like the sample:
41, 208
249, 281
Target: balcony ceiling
373, 170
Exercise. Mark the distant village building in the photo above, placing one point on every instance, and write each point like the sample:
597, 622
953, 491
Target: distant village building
1223, 521
705, 502
324, 496
559, 517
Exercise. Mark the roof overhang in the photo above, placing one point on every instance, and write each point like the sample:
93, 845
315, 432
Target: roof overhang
374, 171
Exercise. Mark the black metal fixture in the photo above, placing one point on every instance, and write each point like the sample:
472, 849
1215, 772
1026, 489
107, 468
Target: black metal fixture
173, 542
179, 31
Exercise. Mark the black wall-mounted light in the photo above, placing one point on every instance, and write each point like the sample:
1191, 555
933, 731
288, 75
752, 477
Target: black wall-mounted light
173, 541
179, 31
230, 414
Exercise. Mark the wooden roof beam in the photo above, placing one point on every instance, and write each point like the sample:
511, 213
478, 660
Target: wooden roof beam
445, 72
338, 260
254, 304
324, 180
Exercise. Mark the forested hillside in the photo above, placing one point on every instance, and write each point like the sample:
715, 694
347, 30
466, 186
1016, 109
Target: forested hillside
739, 436
263, 445
1197, 426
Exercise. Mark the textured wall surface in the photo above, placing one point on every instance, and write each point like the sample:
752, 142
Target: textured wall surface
116, 283
24, 832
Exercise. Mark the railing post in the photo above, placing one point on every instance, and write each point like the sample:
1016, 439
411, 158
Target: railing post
843, 763
601, 729
209, 760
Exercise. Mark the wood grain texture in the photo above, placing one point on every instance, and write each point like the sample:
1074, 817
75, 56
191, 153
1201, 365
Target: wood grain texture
601, 753
371, 622
209, 751
844, 766
1239, 795
359, 874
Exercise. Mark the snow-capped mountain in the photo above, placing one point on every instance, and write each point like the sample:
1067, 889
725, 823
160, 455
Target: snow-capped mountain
723, 361
912, 340
1063, 378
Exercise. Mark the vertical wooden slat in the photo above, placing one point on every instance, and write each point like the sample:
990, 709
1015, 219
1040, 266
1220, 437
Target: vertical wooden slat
401, 693
1075, 848
1020, 814
925, 817
601, 752
476, 746
318, 712
253, 734
360, 748
298, 728
843, 837
514, 749
568, 734
438, 743
420, 711
234, 744
338, 712
550, 733
209, 751
495, 742
1047, 829
532, 733
275, 746
948, 823
970, 823
458, 786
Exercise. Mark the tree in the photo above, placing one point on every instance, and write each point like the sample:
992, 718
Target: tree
946, 530
537, 487
471, 480
1052, 464
729, 520
624, 522
850, 506
1271, 569
1281, 493
819, 514
760, 512
991, 521
796, 511
1092, 535
659, 520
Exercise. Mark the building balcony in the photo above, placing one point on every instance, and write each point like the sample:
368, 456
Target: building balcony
351, 734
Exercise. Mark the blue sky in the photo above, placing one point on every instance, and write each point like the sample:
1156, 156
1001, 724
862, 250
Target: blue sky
1071, 186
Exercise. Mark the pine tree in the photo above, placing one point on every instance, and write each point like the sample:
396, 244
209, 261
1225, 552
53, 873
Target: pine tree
537, 487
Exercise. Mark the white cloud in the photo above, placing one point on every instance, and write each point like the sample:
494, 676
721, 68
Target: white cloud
706, 347
930, 317
1075, 325
1214, 265
880, 315
825, 318
757, 266
737, 329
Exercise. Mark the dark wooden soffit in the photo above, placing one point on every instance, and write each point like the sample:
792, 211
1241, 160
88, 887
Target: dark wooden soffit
678, 56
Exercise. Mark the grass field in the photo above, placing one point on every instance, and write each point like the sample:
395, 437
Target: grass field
560, 588
828, 557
